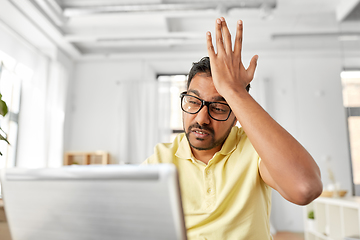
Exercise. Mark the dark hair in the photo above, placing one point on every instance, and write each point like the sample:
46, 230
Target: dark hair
203, 66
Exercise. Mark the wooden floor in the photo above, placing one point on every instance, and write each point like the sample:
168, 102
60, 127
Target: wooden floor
4, 231
288, 236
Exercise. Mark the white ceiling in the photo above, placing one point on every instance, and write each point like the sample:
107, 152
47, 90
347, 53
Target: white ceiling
88, 28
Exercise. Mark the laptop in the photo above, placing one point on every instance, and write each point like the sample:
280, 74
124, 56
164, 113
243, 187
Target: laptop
94, 202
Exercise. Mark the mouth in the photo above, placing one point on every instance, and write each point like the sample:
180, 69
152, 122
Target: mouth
200, 133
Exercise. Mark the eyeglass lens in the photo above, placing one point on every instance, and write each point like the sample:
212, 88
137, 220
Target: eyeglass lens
218, 111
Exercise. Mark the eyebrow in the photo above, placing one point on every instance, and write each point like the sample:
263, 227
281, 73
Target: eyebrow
219, 98
216, 98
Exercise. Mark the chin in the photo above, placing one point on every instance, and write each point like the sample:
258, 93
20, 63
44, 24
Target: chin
201, 147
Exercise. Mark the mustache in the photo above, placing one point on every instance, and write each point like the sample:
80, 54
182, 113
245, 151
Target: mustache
202, 127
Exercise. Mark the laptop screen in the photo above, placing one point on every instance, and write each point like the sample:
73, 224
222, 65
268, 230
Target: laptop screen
94, 202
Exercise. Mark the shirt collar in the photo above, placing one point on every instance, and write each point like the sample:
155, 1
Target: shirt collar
230, 142
184, 150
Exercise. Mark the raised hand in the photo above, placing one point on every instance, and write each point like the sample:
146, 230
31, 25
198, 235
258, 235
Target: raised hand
228, 71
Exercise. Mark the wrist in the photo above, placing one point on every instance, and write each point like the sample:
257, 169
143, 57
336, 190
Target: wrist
237, 91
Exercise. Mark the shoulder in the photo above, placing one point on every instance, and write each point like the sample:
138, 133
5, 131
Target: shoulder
240, 133
237, 137
243, 148
165, 152
242, 138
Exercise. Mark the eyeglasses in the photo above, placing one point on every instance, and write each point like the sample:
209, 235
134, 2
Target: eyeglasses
216, 110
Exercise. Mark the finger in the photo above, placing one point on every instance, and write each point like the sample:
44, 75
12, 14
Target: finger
210, 46
227, 36
218, 37
238, 39
252, 67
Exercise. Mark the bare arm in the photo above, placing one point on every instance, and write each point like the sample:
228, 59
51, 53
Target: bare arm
286, 166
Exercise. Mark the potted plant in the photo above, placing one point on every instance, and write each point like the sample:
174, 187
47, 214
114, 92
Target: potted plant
311, 220
3, 112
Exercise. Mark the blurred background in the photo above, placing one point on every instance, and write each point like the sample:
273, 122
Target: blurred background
104, 76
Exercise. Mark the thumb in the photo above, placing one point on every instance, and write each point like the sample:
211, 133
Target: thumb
252, 67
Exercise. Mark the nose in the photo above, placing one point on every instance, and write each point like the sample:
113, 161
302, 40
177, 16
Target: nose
202, 117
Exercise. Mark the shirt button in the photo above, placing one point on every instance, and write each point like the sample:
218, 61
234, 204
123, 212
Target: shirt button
207, 172
209, 190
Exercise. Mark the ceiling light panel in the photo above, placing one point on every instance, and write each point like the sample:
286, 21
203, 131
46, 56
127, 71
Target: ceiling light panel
94, 3
168, 5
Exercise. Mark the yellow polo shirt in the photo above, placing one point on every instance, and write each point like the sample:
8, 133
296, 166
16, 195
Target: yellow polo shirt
225, 199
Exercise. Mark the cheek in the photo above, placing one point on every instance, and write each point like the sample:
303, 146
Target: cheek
221, 129
187, 118
217, 128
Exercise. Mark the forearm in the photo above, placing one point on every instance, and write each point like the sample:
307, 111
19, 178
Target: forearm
289, 168
286, 165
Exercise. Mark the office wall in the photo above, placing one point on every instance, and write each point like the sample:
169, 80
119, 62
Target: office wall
300, 89
304, 96
94, 113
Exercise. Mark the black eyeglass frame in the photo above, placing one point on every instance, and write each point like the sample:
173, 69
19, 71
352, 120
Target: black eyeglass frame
203, 103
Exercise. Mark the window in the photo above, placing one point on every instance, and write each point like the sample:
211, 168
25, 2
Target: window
177, 86
11, 75
351, 99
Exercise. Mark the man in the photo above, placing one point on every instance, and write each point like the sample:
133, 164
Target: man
226, 173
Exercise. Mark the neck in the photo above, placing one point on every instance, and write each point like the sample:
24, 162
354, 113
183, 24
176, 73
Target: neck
205, 155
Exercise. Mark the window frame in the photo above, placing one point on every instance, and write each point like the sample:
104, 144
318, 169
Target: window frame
350, 112
175, 131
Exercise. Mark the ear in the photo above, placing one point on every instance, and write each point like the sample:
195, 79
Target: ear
235, 121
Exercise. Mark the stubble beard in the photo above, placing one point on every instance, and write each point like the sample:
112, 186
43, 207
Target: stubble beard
213, 143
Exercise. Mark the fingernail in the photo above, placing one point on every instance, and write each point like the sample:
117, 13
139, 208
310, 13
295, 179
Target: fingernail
218, 21
208, 33
222, 19
239, 22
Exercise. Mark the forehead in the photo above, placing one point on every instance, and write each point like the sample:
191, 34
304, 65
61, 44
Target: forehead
202, 85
